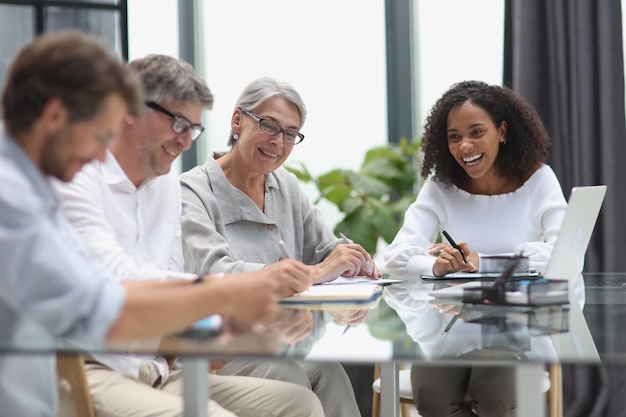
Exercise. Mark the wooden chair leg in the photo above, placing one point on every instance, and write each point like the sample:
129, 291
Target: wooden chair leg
376, 395
71, 368
555, 393
404, 410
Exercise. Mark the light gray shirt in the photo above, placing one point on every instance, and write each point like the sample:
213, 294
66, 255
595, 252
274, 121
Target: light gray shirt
225, 231
44, 296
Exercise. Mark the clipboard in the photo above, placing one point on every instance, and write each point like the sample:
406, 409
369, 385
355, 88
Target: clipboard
347, 296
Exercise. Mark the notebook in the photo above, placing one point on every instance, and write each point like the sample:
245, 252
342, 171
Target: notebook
571, 244
353, 296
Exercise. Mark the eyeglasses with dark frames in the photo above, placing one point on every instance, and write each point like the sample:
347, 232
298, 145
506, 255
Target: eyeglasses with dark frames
180, 124
272, 128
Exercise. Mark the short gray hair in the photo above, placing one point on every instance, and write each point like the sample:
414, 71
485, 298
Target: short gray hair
165, 78
263, 89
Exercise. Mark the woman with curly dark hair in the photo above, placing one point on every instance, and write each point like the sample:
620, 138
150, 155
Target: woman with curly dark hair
484, 163
487, 184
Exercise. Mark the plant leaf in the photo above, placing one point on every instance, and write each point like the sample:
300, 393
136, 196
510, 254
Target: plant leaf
334, 186
363, 184
301, 173
385, 220
361, 228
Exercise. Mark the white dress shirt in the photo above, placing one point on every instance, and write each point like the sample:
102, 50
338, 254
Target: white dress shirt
134, 232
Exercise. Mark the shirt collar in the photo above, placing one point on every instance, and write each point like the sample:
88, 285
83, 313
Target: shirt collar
112, 171
214, 168
115, 177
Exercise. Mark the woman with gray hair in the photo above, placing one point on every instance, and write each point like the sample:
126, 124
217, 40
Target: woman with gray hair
241, 204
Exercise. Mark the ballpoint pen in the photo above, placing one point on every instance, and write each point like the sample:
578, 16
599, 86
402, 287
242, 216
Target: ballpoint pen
368, 265
283, 249
452, 321
454, 245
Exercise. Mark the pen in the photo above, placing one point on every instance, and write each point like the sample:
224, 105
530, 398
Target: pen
454, 245
283, 249
368, 266
452, 321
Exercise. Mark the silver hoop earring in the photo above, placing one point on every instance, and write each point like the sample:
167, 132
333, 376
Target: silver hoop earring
235, 136
503, 141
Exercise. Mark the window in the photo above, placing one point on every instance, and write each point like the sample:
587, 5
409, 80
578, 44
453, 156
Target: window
333, 56
21, 21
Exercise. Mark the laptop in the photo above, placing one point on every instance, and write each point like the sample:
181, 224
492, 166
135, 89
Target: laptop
580, 218
568, 255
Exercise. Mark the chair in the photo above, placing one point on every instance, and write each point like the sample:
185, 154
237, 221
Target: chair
554, 394
404, 391
71, 368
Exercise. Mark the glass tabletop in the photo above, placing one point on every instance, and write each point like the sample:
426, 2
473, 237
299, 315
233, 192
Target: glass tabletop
409, 325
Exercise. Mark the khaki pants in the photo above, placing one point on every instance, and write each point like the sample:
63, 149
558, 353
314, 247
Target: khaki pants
116, 395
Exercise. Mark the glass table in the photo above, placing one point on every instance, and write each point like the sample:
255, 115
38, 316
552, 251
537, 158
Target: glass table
409, 326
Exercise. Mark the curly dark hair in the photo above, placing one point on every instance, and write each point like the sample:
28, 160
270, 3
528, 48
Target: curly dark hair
527, 139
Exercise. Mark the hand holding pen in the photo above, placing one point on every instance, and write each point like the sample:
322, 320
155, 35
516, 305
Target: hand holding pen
290, 276
367, 266
451, 259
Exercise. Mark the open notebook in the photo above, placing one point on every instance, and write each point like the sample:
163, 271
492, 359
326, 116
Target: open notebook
353, 296
568, 255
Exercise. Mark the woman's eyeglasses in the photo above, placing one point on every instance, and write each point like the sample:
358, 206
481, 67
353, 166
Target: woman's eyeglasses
272, 128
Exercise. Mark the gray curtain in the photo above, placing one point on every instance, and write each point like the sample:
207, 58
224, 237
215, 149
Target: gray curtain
566, 58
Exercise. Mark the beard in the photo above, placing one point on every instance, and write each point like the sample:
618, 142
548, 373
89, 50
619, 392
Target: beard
53, 162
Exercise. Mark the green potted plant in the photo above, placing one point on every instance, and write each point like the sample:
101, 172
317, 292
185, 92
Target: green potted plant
373, 199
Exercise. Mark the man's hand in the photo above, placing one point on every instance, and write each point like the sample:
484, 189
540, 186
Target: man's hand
250, 297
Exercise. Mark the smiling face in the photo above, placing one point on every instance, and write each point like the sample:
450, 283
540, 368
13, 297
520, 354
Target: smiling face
72, 145
259, 152
474, 141
153, 143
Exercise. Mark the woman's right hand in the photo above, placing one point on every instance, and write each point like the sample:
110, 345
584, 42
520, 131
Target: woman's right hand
450, 259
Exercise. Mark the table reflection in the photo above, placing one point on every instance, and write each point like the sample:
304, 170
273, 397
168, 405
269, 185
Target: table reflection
448, 329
